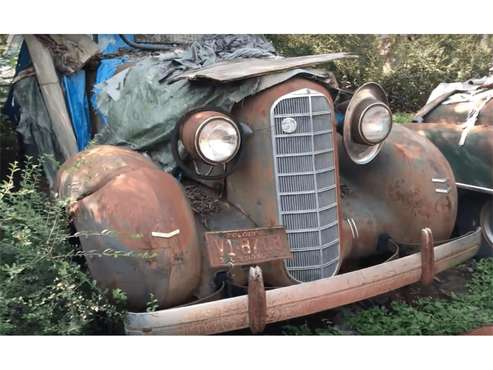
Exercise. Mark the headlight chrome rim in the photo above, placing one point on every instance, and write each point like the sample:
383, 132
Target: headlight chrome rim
359, 152
199, 131
362, 154
188, 160
360, 124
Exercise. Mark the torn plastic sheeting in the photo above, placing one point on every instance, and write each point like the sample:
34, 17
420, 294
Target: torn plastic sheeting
468, 87
113, 85
75, 96
35, 125
473, 114
476, 92
151, 101
11, 108
147, 111
106, 70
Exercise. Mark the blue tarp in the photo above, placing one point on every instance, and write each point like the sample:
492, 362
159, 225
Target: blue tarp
76, 98
106, 70
74, 87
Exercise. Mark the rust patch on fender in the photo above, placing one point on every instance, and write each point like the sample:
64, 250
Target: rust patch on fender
443, 204
408, 151
409, 195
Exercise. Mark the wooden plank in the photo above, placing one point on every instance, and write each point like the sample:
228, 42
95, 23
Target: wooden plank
253, 67
52, 96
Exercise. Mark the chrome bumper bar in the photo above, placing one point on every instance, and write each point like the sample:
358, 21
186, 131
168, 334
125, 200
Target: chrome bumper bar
302, 299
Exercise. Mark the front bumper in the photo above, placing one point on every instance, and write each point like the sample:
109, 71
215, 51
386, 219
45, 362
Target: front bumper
302, 299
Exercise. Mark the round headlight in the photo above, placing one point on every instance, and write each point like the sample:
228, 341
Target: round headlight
375, 123
367, 123
217, 140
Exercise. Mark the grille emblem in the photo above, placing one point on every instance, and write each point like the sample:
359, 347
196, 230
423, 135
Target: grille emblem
289, 125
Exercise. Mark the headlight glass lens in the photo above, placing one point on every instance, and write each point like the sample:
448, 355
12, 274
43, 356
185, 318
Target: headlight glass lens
218, 140
376, 123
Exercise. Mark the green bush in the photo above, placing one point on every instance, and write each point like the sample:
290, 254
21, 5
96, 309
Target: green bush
420, 63
44, 288
408, 67
350, 73
429, 316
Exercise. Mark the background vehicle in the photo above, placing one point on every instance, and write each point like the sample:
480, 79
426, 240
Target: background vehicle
458, 119
247, 172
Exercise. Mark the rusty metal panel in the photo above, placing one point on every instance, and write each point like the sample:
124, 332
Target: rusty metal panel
90, 170
247, 247
397, 194
247, 68
127, 207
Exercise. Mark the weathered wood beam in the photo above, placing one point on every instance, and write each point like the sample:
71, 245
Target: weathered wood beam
52, 95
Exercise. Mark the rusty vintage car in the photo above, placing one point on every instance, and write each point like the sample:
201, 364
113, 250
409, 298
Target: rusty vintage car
239, 188
458, 119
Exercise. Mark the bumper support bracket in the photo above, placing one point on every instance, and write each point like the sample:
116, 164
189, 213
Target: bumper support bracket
427, 257
257, 301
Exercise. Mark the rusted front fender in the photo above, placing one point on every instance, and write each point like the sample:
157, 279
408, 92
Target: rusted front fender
407, 187
302, 299
124, 206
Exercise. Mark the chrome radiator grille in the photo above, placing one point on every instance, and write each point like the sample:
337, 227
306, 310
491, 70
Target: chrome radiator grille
306, 182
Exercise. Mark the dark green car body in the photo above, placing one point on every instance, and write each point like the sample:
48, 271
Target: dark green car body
469, 150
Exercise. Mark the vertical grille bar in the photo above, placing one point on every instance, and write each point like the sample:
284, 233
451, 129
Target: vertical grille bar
304, 164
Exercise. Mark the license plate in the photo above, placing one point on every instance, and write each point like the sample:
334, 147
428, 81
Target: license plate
247, 247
